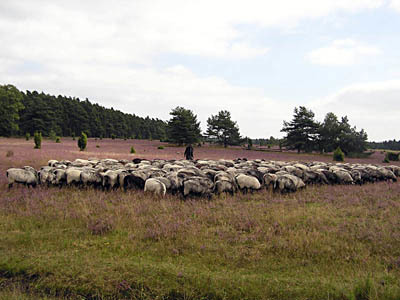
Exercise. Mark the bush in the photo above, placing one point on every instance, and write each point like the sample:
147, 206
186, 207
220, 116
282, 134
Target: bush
37, 138
27, 136
9, 153
97, 146
392, 156
133, 150
113, 136
160, 147
52, 135
73, 136
338, 155
386, 160
82, 141
58, 139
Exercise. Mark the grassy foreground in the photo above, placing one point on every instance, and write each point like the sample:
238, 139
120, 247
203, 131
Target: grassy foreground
326, 242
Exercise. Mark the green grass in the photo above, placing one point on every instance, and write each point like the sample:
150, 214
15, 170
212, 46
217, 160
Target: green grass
339, 242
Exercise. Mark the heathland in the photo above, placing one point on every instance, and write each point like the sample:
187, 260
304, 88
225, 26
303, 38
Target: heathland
325, 242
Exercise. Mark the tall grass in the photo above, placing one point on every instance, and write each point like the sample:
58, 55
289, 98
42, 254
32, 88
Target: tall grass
324, 242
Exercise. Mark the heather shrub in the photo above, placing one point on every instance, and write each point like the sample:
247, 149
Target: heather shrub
10, 153
37, 138
338, 155
392, 156
82, 141
100, 226
27, 136
133, 150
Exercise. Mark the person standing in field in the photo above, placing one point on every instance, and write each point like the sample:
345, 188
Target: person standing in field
189, 152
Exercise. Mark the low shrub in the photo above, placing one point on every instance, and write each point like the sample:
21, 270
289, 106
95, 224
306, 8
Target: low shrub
97, 146
37, 138
113, 136
58, 139
386, 160
27, 136
82, 141
52, 135
338, 155
10, 153
133, 150
392, 156
160, 147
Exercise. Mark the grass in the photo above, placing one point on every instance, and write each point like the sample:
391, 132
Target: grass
330, 242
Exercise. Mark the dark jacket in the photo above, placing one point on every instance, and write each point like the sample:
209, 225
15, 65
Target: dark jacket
189, 152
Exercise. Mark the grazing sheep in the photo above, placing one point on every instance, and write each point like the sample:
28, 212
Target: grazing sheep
24, 176
288, 183
52, 162
89, 177
73, 176
46, 175
270, 180
197, 186
224, 186
60, 177
247, 182
110, 179
155, 186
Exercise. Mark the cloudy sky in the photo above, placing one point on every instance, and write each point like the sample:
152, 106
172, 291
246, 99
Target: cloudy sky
257, 58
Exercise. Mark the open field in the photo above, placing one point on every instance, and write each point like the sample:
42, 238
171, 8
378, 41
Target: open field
325, 242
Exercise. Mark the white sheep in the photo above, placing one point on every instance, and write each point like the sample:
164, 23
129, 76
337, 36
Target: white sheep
155, 186
247, 182
24, 176
73, 176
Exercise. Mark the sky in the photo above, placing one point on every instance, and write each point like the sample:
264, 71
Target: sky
258, 59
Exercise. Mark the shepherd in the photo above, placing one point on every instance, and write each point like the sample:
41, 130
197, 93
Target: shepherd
189, 152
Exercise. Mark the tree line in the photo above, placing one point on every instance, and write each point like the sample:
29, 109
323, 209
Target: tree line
304, 133
22, 113
386, 145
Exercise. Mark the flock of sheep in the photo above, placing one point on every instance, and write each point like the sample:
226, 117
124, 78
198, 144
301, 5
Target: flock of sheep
200, 177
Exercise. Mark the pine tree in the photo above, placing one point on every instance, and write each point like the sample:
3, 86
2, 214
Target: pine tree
302, 131
223, 129
82, 141
183, 127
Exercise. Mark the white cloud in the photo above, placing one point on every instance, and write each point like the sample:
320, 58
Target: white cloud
373, 106
395, 4
106, 51
342, 53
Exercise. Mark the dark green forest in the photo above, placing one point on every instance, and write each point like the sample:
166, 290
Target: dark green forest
69, 116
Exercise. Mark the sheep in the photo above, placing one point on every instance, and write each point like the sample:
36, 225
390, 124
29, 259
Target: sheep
197, 186
24, 176
90, 177
52, 162
247, 182
46, 175
110, 179
269, 180
155, 186
224, 186
288, 183
60, 177
73, 176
